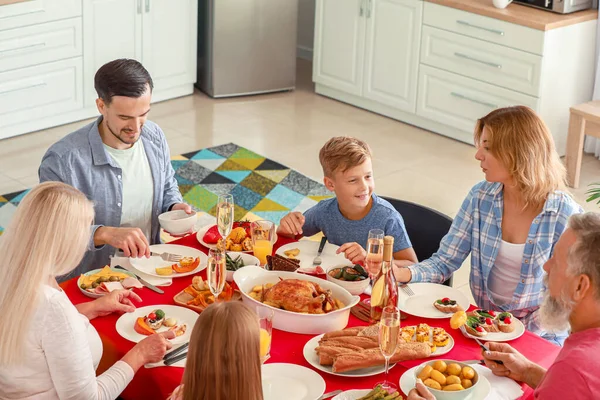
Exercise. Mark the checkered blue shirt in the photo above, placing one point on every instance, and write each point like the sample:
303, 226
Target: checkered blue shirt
477, 229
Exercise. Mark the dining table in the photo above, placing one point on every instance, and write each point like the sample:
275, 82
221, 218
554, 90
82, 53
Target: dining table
286, 347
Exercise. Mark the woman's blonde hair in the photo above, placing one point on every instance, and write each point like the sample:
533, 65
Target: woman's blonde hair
519, 138
223, 361
47, 237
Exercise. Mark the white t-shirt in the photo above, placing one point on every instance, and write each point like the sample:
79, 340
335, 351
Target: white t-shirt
61, 353
506, 272
138, 187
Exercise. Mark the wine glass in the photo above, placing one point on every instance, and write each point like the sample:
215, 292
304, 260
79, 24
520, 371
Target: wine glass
216, 272
389, 328
225, 212
374, 253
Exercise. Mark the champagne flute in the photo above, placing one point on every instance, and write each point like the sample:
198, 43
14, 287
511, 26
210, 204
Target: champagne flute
225, 212
389, 328
216, 272
374, 253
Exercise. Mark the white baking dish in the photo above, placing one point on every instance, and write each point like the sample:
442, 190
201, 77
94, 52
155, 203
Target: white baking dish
248, 277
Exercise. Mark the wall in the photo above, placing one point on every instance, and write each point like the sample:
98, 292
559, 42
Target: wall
306, 28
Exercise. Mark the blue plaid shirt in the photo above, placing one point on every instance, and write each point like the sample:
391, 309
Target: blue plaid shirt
477, 229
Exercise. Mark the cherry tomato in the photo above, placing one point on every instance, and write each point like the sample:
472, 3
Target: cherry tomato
507, 321
152, 316
488, 321
479, 329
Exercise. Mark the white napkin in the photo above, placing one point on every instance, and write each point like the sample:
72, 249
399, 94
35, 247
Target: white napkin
502, 388
153, 280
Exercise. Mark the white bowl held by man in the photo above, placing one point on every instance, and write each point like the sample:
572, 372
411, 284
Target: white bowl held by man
177, 222
248, 277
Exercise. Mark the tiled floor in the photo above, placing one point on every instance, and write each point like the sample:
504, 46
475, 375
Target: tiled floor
409, 163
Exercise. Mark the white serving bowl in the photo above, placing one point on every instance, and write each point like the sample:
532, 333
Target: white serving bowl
354, 287
248, 259
177, 222
248, 277
459, 395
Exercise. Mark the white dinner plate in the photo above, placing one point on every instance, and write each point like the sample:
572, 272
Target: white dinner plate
421, 304
201, 232
501, 336
353, 394
291, 382
482, 391
313, 359
149, 265
95, 271
308, 252
126, 322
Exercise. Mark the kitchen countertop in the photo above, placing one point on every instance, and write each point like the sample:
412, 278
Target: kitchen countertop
521, 15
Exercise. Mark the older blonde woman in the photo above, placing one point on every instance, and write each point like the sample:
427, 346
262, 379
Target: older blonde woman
48, 348
510, 222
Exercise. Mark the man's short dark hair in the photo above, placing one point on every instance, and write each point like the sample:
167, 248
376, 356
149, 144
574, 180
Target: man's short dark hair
122, 77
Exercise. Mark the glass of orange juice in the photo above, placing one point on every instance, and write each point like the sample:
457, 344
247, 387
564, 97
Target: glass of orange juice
265, 318
263, 235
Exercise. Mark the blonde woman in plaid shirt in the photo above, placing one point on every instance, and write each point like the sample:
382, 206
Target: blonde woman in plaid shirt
510, 222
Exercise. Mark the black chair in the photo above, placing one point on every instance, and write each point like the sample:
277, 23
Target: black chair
425, 228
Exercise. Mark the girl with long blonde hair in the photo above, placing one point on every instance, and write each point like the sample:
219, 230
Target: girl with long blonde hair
48, 348
223, 361
510, 222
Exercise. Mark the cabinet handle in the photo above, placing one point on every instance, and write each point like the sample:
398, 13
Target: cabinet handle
139, 6
465, 23
24, 47
147, 6
24, 88
369, 8
483, 103
467, 57
361, 11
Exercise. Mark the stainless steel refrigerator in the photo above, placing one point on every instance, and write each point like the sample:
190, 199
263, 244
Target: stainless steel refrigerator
246, 46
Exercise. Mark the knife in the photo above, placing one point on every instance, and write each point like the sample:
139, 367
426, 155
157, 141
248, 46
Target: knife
330, 394
143, 282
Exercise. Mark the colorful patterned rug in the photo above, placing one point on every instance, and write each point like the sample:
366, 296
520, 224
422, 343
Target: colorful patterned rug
261, 188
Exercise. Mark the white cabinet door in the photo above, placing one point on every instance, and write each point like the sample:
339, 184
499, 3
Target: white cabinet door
169, 42
392, 52
111, 29
339, 44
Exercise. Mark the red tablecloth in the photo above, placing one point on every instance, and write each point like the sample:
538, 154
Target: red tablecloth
158, 383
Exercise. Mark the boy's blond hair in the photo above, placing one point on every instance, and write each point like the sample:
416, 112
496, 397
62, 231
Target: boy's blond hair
342, 153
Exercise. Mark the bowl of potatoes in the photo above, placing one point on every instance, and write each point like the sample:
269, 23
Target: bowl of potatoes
448, 379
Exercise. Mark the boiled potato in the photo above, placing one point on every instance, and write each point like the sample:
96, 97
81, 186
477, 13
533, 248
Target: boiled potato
438, 377
452, 380
468, 373
466, 383
257, 288
453, 369
425, 372
439, 365
453, 388
432, 384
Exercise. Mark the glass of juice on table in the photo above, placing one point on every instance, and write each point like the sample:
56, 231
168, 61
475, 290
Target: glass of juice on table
265, 318
263, 235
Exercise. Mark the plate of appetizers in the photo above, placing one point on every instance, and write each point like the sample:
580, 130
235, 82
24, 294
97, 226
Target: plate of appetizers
440, 341
428, 297
192, 261
145, 321
99, 282
305, 252
493, 326
239, 239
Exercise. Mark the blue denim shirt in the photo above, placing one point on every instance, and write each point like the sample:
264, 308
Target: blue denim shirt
477, 229
80, 160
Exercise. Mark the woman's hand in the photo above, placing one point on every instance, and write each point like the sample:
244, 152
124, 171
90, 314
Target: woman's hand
420, 392
120, 301
150, 350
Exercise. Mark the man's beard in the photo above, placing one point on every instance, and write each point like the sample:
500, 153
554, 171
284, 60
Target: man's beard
554, 313
119, 136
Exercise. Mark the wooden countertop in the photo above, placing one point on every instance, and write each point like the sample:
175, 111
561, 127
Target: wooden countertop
521, 15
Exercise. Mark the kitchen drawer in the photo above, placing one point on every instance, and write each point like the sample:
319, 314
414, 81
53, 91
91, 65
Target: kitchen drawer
40, 91
492, 63
37, 44
484, 28
36, 12
459, 102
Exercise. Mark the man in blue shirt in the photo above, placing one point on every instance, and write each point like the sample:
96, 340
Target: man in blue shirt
122, 163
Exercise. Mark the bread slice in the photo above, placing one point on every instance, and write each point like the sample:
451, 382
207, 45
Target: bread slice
502, 325
447, 307
279, 263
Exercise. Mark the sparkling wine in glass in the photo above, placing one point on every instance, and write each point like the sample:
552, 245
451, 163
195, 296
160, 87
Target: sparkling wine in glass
225, 211
216, 272
389, 328
374, 252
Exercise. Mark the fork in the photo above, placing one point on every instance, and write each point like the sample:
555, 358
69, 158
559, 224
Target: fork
168, 257
407, 290
483, 346
317, 261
